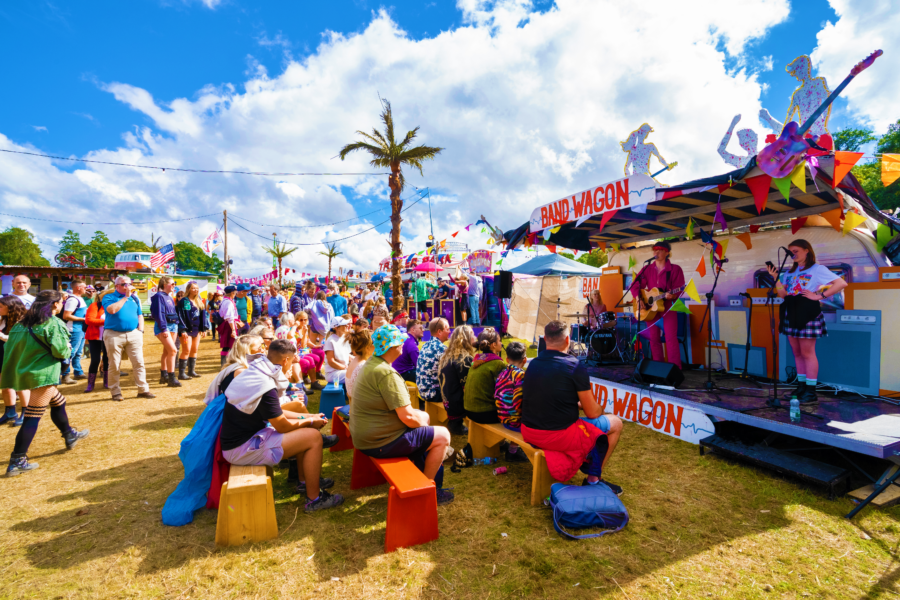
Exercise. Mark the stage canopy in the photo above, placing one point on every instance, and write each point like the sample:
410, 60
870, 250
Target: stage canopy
553, 264
746, 197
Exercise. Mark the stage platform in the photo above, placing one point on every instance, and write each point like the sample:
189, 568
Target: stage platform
869, 426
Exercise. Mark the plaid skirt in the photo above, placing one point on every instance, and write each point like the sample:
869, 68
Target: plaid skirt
813, 330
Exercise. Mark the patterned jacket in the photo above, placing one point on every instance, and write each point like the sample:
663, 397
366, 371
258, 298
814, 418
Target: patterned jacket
508, 396
427, 369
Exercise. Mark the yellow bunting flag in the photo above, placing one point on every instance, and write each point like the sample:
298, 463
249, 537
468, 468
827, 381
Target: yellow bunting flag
745, 237
852, 221
555, 229
890, 168
679, 306
724, 244
691, 291
833, 217
631, 263
615, 247
798, 177
689, 231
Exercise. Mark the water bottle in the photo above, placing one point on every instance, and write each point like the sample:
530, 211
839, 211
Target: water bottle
489, 460
795, 410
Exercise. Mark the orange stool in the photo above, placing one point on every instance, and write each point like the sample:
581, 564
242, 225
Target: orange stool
340, 429
412, 499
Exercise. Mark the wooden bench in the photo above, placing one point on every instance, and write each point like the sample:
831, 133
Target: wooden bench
485, 441
246, 507
412, 498
437, 414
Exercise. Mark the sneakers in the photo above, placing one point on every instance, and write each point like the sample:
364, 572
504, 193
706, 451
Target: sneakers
315, 385
616, 489
444, 496
516, 457
146, 395
18, 464
117, 398
73, 436
325, 500
325, 483
329, 440
457, 427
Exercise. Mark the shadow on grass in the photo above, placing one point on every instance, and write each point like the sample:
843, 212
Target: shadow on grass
185, 420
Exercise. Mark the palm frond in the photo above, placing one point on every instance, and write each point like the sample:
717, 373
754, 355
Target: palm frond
373, 150
410, 136
414, 156
388, 118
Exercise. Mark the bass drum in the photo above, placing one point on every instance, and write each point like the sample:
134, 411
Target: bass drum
603, 341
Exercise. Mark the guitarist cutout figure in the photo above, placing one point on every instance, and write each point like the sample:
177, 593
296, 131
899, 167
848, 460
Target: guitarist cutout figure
813, 91
666, 277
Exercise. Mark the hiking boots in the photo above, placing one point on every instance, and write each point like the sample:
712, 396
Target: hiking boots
182, 365
192, 368
801, 387
73, 436
325, 500
171, 381
325, 483
808, 395
18, 464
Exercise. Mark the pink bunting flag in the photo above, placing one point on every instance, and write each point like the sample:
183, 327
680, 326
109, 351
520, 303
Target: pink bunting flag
467, 226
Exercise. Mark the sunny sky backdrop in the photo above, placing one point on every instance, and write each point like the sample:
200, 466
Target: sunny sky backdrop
529, 98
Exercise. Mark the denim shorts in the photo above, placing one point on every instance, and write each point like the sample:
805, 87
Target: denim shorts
170, 327
264, 448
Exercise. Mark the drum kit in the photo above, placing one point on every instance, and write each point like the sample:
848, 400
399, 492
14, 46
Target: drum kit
598, 340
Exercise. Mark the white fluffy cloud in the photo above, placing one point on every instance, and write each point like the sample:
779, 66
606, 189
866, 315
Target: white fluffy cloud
862, 28
528, 105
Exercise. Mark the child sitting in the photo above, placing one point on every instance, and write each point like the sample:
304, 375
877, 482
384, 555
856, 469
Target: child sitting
508, 388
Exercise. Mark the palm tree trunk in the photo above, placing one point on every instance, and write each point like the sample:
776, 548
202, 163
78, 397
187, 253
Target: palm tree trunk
396, 207
329, 268
279, 271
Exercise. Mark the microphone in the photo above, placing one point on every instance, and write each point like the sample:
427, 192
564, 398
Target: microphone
649, 260
791, 254
744, 294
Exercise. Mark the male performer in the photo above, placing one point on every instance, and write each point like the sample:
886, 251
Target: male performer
665, 276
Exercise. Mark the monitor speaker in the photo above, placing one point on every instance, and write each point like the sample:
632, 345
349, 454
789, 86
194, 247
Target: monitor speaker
661, 373
503, 285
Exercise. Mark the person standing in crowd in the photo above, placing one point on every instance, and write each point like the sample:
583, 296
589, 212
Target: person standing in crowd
21, 285
406, 363
462, 284
453, 370
443, 291
243, 306
165, 328
12, 310
230, 323
74, 311
555, 387
212, 307
296, 304
338, 303
421, 295
95, 319
429, 358
256, 302
381, 309
192, 328
124, 332
400, 320
277, 304
337, 351
33, 352
474, 292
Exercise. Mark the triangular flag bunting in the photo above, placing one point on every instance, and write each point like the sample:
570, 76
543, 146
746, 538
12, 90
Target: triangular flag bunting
679, 306
701, 268
759, 186
720, 218
453, 234
689, 230
691, 291
882, 236
890, 168
602, 245
784, 186
499, 262
754, 228
551, 248
797, 224
798, 177
843, 162
745, 237
724, 247
467, 226
582, 220
631, 262
606, 217
615, 246
852, 221
555, 229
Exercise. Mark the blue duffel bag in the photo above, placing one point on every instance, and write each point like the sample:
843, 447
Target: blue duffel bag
578, 507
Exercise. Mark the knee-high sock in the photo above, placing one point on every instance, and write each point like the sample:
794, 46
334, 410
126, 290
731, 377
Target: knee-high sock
60, 418
26, 434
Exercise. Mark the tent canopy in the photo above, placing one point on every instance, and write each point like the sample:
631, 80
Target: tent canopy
554, 264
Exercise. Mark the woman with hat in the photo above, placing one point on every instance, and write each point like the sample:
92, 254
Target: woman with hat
337, 351
668, 278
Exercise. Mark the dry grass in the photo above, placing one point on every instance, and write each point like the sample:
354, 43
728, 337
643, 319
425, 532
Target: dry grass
87, 525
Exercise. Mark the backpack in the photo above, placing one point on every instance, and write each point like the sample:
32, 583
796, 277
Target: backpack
463, 459
586, 506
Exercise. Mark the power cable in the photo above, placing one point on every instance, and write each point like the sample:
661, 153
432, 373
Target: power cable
106, 223
306, 226
103, 162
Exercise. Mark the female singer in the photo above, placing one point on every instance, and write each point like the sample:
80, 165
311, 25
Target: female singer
805, 285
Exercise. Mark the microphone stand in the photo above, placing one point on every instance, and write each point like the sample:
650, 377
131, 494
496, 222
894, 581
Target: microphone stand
709, 385
620, 305
775, 402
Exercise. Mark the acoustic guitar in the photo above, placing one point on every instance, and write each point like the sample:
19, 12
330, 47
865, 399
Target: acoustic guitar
655, 300
781, 157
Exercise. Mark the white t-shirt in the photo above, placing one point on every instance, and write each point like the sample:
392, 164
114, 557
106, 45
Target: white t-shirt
27, 300
811, 279
72, 304
341, 348
372, 295
282, 333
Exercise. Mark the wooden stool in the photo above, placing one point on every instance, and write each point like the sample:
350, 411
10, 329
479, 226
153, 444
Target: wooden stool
437, 413
246, 507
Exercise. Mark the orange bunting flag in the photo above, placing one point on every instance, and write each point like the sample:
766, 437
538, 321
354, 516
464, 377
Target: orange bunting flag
701, 268
454, 234
602, 245
551, 248
797, 224
852, 221
890, 168
834, 218
843, 162
745, 237
759, 186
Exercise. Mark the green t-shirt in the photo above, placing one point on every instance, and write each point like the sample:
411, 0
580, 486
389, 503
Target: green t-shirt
378, 392
241, 305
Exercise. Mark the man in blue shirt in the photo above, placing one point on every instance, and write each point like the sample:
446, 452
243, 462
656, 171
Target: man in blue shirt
278, 304
123, 331
337, 302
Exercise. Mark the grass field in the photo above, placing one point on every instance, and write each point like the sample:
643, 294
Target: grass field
86, 524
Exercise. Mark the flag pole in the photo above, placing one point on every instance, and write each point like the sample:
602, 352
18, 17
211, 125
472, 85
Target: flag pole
226, 245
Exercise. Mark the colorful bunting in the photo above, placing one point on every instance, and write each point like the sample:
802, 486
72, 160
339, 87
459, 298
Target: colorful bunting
843, 162
797, 224
754, 228
883, 235
852, 221
551, 248
605, 218
499, 262
691, 291
615, 246
467, 227
798, 177
724, 247
689, 230
701, 268
631, 262
453, 234
759, 186
679, 306
890, 168
720, 218
784, 186
555, 229
745, 237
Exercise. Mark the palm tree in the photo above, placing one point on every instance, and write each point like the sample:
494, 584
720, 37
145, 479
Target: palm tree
279, 252
386, 152
330, 252
154, 243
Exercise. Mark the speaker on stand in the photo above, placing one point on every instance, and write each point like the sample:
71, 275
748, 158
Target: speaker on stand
503, 285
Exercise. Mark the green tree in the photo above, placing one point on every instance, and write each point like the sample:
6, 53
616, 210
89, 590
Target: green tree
191, 257
133, 246
71, 244
869, 175
594, 258
103, 251
851, 140
279, 253
330, 252
386, 152
154, 242
17, 247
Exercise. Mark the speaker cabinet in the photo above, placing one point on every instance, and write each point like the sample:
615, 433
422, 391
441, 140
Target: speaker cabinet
660, 373
503, 285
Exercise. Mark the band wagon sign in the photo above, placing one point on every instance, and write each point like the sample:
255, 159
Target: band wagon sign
630, 192
660, 414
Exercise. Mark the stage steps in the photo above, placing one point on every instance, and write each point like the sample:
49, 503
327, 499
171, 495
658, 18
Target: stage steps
806, 469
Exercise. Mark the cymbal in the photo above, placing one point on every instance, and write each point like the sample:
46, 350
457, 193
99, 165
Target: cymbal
577, 315
561, 302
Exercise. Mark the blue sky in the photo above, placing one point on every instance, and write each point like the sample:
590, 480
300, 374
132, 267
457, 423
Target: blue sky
281, 85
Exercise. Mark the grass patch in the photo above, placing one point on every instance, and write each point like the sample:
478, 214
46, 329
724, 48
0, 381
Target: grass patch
87, 525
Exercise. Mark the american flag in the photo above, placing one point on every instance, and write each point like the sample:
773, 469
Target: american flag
164, 255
